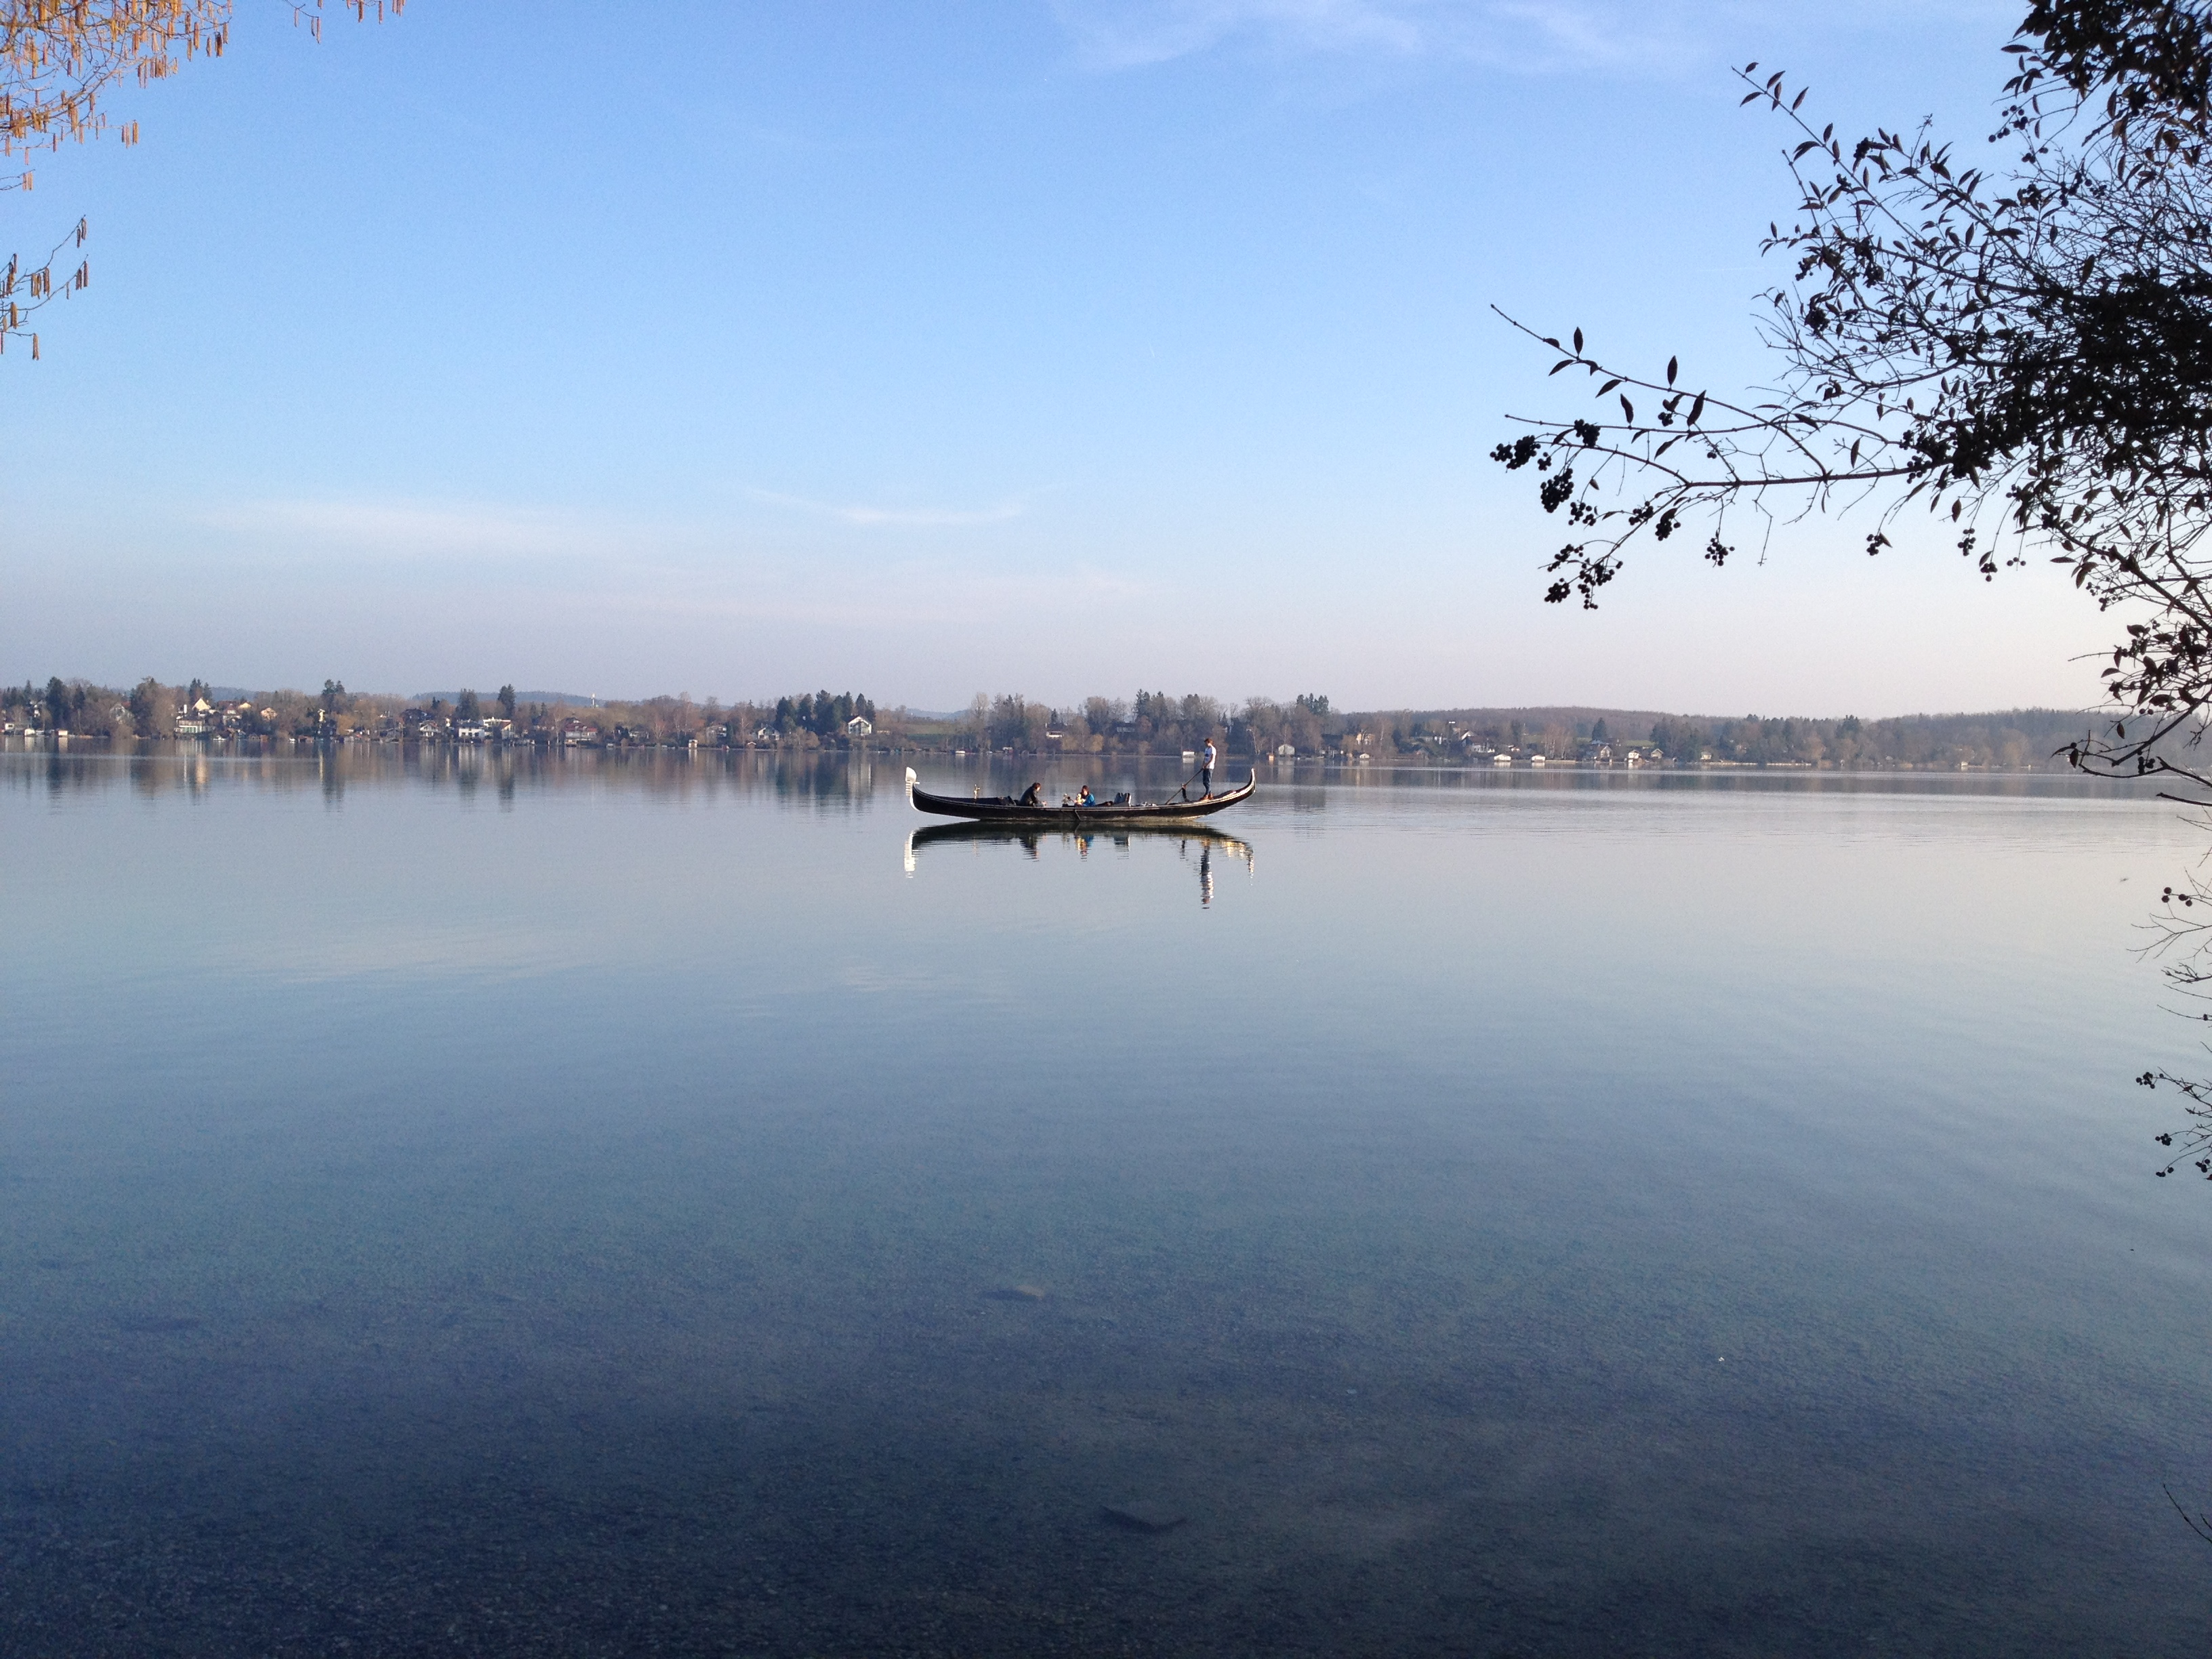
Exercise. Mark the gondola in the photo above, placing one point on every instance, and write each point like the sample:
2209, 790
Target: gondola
1008, 809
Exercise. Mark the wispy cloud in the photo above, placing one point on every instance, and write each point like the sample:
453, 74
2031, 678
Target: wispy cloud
896, 517
413, 529
1128, 34
886, 595
405, 529
1532, 35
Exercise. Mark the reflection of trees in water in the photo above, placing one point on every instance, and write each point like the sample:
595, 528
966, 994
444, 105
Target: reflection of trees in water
2181, 943
827, 782
821, 780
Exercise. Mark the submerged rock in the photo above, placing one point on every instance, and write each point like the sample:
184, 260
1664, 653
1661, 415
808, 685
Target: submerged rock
1145, 1518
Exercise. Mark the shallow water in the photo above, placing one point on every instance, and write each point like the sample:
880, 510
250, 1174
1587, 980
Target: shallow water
603, 1205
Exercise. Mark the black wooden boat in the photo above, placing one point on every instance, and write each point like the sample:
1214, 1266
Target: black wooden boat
1009, 809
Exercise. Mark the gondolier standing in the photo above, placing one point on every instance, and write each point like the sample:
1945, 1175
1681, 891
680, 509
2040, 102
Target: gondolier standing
1206, 766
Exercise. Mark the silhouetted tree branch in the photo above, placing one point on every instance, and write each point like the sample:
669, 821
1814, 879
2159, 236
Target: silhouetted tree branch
2024, 352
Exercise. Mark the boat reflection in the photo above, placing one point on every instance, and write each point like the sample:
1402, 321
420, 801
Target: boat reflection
1210, 846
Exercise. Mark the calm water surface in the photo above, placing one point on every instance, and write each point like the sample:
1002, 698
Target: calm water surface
603, 1207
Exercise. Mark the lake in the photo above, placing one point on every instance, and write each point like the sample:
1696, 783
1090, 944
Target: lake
592, 1204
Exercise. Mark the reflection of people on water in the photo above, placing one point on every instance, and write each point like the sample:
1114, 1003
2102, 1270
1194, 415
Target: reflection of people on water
1034, 795
1121, 838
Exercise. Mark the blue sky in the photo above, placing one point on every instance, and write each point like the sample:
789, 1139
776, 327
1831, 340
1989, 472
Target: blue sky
1057, 345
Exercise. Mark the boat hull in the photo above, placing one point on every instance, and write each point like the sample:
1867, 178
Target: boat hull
1003, 809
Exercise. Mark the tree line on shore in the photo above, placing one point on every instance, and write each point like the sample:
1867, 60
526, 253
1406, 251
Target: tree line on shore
152, 709
1152, 722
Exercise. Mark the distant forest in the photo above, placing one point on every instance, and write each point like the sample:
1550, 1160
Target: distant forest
1152, 722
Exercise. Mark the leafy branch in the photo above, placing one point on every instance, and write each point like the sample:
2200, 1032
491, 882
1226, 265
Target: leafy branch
2024, 352
59, 61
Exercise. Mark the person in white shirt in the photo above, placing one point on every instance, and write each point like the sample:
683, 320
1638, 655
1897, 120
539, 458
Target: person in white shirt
1206, 766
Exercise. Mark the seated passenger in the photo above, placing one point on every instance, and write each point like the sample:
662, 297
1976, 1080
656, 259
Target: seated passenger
1033, 796
1086, 799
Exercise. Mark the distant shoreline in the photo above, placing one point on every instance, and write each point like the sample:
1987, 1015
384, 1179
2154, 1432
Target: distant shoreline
259, 746
1257, 731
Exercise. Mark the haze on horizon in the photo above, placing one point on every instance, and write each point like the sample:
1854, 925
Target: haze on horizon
1061, 347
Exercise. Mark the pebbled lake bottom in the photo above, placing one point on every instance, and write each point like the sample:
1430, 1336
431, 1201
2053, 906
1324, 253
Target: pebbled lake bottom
603, 1205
